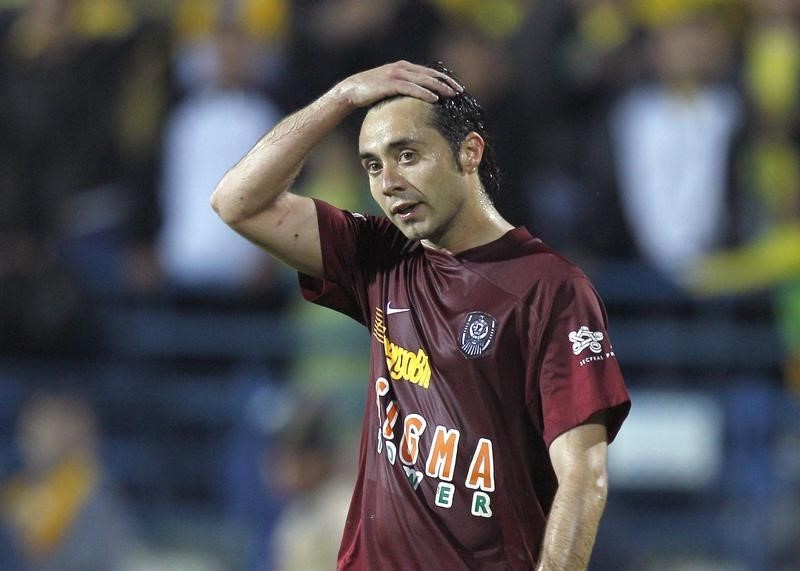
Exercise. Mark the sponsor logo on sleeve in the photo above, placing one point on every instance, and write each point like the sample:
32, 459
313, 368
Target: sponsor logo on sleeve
584, 338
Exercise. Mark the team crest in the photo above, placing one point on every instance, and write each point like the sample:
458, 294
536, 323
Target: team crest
477, 334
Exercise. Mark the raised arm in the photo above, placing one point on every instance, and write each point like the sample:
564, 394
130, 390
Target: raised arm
253, 197
579, 459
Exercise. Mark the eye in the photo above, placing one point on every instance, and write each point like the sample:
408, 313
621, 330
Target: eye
372, 167
406, 156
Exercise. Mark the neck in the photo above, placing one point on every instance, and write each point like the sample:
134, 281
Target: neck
482, 224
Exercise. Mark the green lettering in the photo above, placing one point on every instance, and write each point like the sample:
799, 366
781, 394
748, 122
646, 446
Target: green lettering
391, 452
444, 495
481, 505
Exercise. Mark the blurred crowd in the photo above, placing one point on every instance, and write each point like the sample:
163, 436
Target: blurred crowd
665, 132
658, 130
60, 512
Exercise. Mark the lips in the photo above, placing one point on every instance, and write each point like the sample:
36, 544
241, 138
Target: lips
403, 208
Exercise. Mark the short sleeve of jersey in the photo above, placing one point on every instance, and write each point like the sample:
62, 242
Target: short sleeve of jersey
579, 374
353, 246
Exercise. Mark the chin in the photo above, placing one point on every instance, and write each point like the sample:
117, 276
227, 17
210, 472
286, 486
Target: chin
413, 232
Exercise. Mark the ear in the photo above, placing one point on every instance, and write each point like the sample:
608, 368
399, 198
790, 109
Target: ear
471, 152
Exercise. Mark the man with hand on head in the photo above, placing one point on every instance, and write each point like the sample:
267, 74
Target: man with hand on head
494, 390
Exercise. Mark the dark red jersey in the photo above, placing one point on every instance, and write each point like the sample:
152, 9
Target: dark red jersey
478, 361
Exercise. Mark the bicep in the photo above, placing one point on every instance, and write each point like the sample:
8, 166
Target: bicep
581, 450
288, 229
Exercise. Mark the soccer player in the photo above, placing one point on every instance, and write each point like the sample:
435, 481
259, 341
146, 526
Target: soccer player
493, 389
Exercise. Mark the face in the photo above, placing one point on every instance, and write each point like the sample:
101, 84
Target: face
695, 50
413, 175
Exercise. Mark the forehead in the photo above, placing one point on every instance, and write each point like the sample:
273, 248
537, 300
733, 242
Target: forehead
401, 118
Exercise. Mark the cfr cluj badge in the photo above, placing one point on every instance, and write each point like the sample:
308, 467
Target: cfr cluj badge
477, 334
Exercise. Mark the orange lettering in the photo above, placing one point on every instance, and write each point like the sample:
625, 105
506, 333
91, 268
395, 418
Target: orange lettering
381, 388
442, 456
391, 419
409, 445
481, 469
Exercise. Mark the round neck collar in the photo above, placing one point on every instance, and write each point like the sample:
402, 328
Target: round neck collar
500, 248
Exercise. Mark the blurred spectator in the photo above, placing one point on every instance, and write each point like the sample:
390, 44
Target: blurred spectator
308, 470
60, 508
222, 116
571, 60
265, 409
263, 22
595, 50
59, 63
674, 138
145, 96
62, 64
496, 19
330, 39
770, 171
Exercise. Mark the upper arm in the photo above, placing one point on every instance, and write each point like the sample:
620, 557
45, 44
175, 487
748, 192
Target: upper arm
288, 229
581, 451
574, 370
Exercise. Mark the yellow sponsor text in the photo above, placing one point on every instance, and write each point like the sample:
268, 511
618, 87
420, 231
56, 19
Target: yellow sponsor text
403, 364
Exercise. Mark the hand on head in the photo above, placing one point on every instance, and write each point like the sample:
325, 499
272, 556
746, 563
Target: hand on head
398, 78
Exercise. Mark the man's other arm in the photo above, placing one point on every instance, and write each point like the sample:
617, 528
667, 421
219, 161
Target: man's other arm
253, 197
579, 458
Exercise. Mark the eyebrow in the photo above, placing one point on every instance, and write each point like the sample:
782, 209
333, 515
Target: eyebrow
398, 143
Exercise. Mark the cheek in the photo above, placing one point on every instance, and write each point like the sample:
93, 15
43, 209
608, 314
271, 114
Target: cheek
376, 193
380, 199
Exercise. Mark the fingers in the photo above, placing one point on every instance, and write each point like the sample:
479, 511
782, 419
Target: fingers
414, 89
423, 82
453, 86
398, 78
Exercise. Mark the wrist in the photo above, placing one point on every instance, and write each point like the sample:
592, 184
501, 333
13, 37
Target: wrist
339, 99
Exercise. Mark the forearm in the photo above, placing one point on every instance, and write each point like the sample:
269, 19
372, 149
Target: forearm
271, 166
572, 523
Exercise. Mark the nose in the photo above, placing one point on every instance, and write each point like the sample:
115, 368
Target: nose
391, 180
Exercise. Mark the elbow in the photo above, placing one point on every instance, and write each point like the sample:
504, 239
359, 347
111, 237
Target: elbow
217, 203
214, 201
225, 206
236, 202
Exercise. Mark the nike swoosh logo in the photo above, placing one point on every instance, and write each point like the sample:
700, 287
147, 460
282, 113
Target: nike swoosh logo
392, 310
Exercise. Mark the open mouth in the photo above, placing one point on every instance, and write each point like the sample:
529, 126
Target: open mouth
405, 211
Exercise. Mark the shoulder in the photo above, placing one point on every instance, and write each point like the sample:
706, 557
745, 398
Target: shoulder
521, 265
361, 223
371, 235
557, 285
535, 267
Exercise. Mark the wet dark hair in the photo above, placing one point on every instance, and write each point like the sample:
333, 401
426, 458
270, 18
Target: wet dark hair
454, 118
